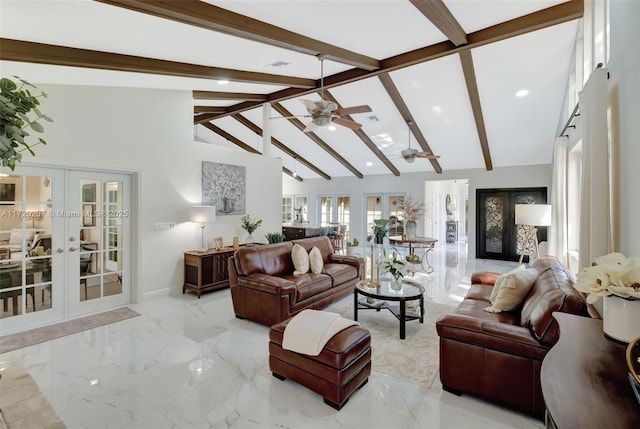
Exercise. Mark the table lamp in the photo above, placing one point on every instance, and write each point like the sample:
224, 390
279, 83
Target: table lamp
532, 215
202, 215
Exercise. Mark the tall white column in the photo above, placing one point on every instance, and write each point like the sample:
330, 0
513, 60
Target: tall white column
266, 129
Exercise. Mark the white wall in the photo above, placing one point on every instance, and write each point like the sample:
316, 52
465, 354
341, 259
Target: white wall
150, 132
624, 87
505, 177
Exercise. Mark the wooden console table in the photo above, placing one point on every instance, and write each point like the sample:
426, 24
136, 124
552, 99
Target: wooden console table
584, 379
204, 272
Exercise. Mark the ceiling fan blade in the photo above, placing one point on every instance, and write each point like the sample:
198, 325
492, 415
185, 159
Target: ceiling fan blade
347, 123
427, 155
311, 106
351, 110
312, 126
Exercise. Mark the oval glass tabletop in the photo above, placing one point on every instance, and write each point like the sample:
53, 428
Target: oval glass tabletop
409, 290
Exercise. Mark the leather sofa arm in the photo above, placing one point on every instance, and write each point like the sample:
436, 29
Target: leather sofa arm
355, 261
269, 284
484, 278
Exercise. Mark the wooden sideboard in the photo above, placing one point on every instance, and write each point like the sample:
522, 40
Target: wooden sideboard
584, 379
296, 232
204, 272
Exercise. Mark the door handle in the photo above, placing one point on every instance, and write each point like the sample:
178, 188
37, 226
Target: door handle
72, 239
72, 249
59, 250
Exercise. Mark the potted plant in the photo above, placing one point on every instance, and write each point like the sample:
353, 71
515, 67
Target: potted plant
250, 226
380, 229
274, 237
396, 267
351, 247
17, 107
413, 209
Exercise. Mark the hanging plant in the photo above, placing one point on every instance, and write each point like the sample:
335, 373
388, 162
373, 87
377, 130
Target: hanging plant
18, 111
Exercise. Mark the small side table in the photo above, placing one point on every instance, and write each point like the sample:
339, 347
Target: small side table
206, 271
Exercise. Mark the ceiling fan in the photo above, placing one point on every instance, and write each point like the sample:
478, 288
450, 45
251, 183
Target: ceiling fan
325, 112
410, 154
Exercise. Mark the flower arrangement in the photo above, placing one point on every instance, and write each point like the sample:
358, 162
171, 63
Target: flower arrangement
412, 208
249, 225
394, 265
612, 274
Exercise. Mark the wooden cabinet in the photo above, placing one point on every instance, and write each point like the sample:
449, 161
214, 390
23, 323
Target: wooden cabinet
204, 272
298, 232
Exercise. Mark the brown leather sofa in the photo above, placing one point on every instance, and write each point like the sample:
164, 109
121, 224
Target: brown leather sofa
264, 289
498, 356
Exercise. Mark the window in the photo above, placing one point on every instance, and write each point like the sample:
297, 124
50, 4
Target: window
574, 180
295, 209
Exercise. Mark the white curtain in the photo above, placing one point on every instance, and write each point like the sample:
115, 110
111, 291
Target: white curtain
595, 201
558, 231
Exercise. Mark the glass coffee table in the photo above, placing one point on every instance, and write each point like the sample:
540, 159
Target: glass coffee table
378, 298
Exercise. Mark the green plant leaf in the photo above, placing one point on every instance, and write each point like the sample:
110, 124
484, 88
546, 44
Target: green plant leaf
37, 127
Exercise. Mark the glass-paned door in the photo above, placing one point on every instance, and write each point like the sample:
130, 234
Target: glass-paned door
344, 214
326, 210
396, 215
287, 209
99, 241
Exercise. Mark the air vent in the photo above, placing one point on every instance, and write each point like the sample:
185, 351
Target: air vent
279, 63
373, 118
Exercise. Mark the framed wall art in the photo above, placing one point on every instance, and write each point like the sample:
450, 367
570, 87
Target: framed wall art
224, 186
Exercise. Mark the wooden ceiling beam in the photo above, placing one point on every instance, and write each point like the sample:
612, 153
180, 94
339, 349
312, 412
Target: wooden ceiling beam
210, 17
221, 95
313, 136
402, 107
553, 15
474, 97
277, 143
441, 17
209, 109
365, 138
32, 52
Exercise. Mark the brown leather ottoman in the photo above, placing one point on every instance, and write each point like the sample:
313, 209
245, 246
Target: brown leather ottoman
341, 368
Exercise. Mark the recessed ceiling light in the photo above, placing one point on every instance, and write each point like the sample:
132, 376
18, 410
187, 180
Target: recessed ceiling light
223, 82
369, 164
437, 109
332, 127
522, 93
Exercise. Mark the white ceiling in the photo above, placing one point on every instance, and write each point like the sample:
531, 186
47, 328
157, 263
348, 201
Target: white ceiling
519, 131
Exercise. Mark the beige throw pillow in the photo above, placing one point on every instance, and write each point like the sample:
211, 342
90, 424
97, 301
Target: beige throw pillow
504, 278
513, 290
315, 260
300, 259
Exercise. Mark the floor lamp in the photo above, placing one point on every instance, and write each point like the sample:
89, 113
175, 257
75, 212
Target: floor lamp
531, 216
202, 215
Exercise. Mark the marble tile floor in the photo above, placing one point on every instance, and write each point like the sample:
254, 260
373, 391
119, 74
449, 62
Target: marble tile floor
189, 363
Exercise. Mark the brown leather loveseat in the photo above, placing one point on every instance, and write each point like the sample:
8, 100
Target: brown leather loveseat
264, 289
498, 356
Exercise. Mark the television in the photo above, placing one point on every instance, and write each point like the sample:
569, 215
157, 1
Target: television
7, 192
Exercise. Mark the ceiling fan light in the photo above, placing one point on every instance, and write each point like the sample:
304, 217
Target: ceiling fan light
332, 127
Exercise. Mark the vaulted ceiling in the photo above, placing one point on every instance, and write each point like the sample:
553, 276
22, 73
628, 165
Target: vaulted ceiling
441, 76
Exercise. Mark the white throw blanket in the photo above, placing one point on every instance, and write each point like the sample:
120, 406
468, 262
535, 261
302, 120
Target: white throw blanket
309, 331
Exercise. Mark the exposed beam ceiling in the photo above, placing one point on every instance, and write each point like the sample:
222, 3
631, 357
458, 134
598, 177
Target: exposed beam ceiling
220, 95
209, 109
214, 18
441, 17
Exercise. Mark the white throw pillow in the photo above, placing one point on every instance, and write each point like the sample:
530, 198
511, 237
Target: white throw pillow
315, 260
514, 290
300, 259
503, 278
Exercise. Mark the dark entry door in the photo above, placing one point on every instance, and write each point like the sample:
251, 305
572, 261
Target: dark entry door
497, 235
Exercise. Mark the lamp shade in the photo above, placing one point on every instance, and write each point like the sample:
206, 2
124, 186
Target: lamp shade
203, 214
533, 214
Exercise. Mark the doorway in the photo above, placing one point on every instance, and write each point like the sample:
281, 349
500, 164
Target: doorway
497, 235
64, 245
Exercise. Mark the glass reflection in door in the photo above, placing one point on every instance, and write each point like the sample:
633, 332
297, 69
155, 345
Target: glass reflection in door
101, 239
25, 244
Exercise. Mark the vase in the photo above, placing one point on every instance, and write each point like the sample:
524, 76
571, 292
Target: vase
227, 205
621, 319
410, 229
395, 283
250, 241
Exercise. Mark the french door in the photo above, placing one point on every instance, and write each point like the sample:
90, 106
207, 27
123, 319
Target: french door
64, 245
497, 235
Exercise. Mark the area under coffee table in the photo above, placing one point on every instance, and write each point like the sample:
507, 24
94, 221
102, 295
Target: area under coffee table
382, 294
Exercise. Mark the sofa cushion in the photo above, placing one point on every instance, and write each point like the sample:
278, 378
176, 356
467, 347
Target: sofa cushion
502, 279
340, 273
15, 238
270, 259
552, 291
323, 243
315, 260
513, 290
309, 284
300, 259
